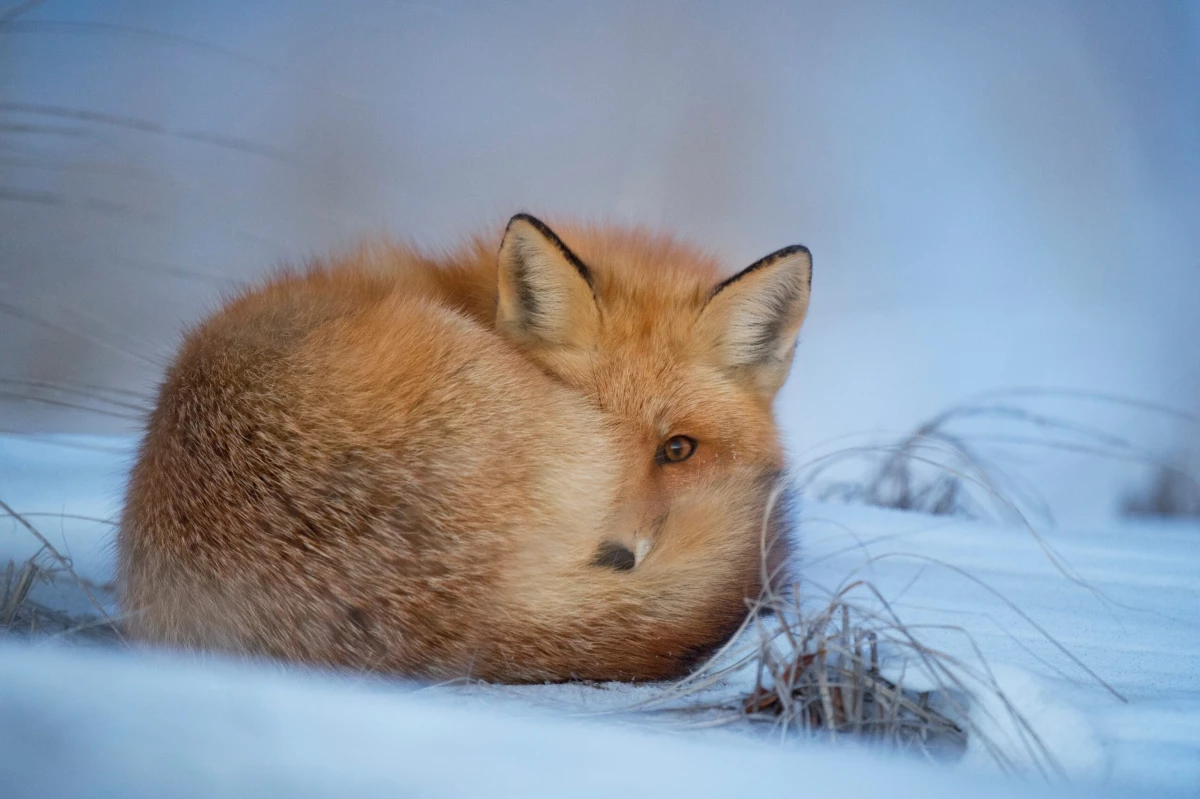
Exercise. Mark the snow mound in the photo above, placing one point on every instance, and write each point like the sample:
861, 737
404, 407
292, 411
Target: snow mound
82, 723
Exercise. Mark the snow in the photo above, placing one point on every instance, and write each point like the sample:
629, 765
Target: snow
84, 724
1122, 599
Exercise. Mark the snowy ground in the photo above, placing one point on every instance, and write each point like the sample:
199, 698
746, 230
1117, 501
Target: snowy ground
72, 725
1124, 600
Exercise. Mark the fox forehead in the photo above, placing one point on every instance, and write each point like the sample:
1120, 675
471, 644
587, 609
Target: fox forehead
662, 388
637, 269
651, 290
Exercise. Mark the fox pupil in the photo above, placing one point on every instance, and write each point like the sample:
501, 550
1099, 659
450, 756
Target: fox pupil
677, 449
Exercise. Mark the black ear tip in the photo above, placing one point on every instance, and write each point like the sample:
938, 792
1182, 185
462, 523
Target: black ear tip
527, 218
784, 254
773, 258
797, 249
550, 236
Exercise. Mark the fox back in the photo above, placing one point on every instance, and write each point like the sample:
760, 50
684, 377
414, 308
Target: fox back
553, 462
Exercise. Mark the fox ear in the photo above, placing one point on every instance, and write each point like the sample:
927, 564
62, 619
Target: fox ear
545, 291
752, 319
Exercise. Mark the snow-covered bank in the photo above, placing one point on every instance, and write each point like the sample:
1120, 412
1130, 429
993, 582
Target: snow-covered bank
76, 724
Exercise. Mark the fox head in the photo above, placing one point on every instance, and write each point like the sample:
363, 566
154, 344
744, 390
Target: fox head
684, 365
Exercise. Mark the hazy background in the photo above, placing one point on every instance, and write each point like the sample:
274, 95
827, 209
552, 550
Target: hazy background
996, 194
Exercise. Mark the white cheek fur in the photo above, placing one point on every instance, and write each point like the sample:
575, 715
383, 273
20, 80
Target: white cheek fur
641, 551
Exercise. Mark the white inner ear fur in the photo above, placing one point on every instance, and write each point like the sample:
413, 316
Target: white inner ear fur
543, 298
753, 320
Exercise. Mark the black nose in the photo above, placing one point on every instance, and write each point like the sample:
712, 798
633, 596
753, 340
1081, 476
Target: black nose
613, 555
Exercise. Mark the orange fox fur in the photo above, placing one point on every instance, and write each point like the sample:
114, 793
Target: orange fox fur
441, 467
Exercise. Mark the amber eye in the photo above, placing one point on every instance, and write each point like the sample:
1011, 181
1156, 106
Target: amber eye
676, 449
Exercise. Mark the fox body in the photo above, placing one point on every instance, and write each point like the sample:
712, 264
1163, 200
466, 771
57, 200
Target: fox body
553, 462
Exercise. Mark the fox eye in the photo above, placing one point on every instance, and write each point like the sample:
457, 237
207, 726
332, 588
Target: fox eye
676, 449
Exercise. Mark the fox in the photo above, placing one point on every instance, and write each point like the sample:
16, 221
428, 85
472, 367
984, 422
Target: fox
552, 459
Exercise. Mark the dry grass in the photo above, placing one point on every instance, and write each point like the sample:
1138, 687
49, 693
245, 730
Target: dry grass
821, 672
946, 466
1171, 492
836, 669
21, 615
833, 665
849, 672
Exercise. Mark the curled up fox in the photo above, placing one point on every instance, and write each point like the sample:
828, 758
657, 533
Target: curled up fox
544, 456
